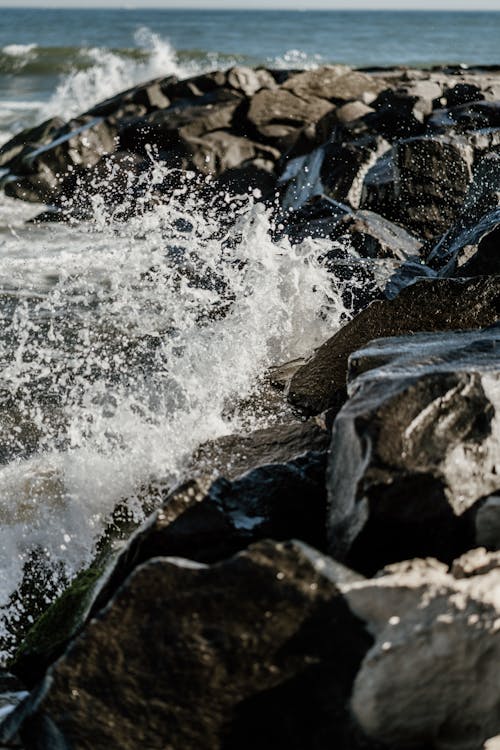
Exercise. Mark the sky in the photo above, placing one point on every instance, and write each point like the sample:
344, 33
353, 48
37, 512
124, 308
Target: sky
472, 5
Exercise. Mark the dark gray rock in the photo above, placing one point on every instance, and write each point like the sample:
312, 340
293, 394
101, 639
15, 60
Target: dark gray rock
462, 93
282, 495
397, 115
378, 192
414, 448
432, 179
279, 116
372, 236
466, 117
345, 166
236, 454
149, 95
433, 305
178, 125
40, 172
469, 250
336, 83
28, 140
207, 657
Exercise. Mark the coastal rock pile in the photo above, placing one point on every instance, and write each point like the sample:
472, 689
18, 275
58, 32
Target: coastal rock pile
332, 580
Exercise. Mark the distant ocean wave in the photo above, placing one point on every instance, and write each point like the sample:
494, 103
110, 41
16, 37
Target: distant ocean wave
33, 60
84, 76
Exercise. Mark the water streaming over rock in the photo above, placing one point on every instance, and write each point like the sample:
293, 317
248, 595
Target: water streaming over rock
125, 345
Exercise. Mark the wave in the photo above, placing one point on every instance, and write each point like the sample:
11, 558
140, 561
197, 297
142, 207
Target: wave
84, 76
123, 353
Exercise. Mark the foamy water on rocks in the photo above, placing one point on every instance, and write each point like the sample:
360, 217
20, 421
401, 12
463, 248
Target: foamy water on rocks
126, 345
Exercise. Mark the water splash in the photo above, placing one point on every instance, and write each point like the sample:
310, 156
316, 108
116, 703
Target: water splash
128, 344
106, 73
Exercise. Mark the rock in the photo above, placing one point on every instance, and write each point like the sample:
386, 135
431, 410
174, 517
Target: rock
372, 236
300, 181
61, 622
484, 192
466, 117
234, 455
475, 562
378, 190
431, 305
414, 448
352, 111
432, 179
336, 83
217, 152
487, 523
175, 127
27, 141
462, 93
279, 116
282, 495
207, 521
430, 679
320, 217
195, 86
410, 272
468, 250
201, 657
42, 170
148, 95
249, 81
345, 166
397, 115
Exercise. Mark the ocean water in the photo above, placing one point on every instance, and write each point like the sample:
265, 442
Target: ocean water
127, 344
61, 61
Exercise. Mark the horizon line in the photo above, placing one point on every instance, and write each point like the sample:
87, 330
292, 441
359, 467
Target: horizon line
141, 7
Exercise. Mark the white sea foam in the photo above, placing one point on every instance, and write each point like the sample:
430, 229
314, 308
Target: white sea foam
296, 58
18, 50
109, 73
129, 345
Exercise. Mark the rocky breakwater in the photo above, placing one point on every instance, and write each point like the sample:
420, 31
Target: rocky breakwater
332, 580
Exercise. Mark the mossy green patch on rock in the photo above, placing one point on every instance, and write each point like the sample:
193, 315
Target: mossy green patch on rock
51, 633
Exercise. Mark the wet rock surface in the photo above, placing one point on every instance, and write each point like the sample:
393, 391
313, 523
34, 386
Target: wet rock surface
429, 624
414, 448
207, 627
431, 305
281, 649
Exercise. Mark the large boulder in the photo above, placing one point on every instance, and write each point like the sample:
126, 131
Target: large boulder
430, 680
29, 140
174, 127
271, 484
430, 305
279, 116
336, 83
257, 650
345, 166
41, 171
414, 448
432, 179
